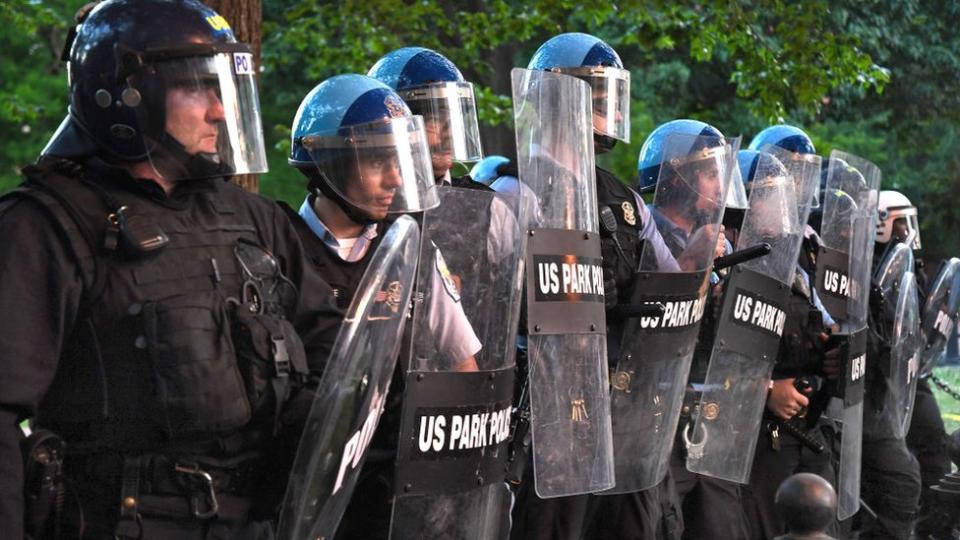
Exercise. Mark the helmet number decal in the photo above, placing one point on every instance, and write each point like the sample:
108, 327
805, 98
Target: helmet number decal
243, 63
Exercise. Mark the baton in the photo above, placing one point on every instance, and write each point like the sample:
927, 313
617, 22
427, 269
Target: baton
816, 446
741, 256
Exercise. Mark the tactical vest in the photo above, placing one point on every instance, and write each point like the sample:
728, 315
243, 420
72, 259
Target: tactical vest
343, 276
801, 352
621, 200
168, 348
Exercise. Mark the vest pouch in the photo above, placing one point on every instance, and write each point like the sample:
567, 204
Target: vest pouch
198, 386
268, 351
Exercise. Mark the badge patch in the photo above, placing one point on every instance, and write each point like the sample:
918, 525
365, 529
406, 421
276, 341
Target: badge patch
394, 294
243, 64
447, 278
628, 213
218, 23
394, 106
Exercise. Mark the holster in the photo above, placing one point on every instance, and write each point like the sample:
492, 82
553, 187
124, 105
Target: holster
44, 486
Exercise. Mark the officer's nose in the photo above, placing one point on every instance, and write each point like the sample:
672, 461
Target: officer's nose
215, 111
391, 174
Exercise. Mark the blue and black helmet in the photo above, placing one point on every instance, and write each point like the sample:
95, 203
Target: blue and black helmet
126, 56
591, 59
353, 135
790, 138
488, 169
682, 141
761, 170
433, 87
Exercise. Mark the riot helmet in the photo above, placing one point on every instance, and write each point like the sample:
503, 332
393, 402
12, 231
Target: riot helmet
487, 170
772, 193
360, 145
592, 60
434, 88
897, 219
688, 154
789, 138
163, 81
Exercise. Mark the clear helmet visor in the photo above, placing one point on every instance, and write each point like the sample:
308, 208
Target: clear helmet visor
610, 91
695, 173
449, 113
381, 167
737, 193
200, 115
899, 225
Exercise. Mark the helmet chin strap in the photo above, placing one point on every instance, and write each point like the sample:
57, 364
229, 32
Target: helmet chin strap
319, 182
603, 143
171, 159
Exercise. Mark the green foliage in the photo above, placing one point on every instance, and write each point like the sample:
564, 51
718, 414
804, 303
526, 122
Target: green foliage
32, 79
949, 406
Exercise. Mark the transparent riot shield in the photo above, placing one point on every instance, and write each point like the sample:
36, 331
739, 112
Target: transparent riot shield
650, 375
843, 281
850, 192
752, 319
352, 392
902, 375
567, 349
805, 171
891, 383
457, 402
939, 315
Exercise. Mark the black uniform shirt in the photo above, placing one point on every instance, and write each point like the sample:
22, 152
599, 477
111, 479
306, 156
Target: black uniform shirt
41, 288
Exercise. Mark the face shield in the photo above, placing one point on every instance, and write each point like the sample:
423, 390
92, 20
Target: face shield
382, 167
695, 171
899, 224
700, 179
737, 194
773, 204
610, 88
198, 110
800, 162
449, 113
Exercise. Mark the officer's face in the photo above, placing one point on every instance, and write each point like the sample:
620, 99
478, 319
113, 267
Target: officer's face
709, 185
600, 106
193, 116
900, 229
379, 178
438, 137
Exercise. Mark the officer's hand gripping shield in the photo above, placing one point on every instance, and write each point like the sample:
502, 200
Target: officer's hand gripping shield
567, 348
649, 378
939, 315
457, 403
891, 385
723, 439
843, 282
353, 390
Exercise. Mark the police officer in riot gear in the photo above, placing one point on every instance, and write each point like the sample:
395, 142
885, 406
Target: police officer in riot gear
366, 157
926, 439
434, 88
890, 474
156, 303
594, 61
779, 454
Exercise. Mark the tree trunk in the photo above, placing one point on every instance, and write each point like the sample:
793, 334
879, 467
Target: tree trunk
244, 17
